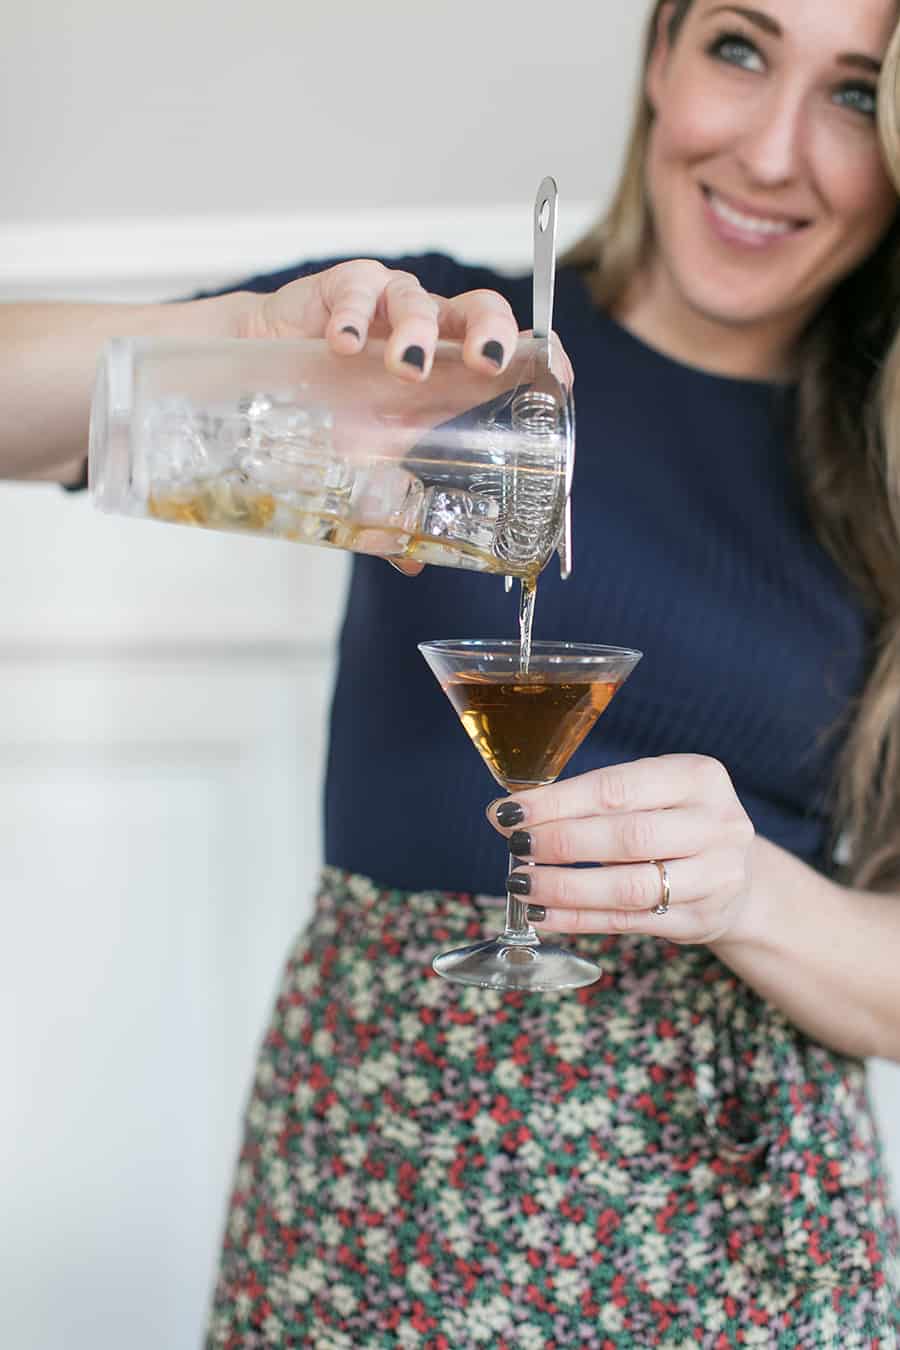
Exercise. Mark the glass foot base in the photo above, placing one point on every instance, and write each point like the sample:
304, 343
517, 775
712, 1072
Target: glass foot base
496, 964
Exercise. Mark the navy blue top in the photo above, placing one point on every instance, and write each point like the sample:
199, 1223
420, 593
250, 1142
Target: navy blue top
692, 543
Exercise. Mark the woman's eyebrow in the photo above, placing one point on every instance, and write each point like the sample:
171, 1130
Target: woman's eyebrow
860, 62
769, 25
762, 20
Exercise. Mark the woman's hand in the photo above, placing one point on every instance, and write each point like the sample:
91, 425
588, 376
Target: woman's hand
354, 301
681, 810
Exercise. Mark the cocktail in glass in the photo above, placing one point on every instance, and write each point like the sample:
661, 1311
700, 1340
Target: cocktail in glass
526, 726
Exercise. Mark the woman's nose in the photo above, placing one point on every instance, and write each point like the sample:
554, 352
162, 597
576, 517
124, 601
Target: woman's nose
771, 148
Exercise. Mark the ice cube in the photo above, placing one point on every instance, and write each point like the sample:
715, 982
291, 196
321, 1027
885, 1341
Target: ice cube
309, 475
461, 517
181, 444
254, 406
385, 494
447, 555
288, 449
280, 426
175, 443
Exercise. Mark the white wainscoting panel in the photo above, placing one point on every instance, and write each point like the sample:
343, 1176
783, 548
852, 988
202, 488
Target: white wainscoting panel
158, 848
72, 575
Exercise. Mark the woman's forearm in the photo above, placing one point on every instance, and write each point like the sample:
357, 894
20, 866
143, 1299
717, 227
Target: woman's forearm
825, 955
48, 358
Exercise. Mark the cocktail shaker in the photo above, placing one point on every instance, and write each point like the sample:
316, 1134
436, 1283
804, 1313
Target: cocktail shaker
289, 440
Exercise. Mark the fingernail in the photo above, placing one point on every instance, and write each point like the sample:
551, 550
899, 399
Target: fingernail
415, 356
509, 813
397, 568
535, 913
518, 883
348, 328
494, 352
520, 843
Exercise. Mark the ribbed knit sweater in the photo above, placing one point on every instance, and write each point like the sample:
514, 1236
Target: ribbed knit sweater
692, 543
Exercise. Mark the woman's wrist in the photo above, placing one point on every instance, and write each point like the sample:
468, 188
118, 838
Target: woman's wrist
754, 920
782, 894
821, 953
219, 316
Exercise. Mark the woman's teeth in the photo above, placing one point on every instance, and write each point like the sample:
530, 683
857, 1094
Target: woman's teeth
753, 224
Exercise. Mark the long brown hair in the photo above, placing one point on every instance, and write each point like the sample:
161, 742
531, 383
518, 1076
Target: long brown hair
847, 445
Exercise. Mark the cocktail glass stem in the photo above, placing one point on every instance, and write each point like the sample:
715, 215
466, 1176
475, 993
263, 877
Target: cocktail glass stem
518, 928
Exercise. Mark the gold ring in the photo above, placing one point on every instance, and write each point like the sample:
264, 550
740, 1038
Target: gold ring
663, 906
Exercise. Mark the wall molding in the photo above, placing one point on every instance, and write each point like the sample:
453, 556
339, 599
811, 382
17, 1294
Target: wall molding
242, 654
158, 257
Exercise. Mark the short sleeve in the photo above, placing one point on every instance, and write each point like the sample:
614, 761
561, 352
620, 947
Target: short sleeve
435, 271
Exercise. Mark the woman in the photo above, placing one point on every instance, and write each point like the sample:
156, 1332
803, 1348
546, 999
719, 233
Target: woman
683, 1153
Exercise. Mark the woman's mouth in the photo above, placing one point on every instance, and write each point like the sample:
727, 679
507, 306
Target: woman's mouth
738, 225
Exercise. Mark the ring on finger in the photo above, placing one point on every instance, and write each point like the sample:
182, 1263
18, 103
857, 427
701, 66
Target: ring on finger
663, 907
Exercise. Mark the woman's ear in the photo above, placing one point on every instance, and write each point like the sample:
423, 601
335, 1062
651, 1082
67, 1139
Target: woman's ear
659, 54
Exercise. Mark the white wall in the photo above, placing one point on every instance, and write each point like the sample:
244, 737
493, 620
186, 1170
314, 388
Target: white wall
203, 107
163, 692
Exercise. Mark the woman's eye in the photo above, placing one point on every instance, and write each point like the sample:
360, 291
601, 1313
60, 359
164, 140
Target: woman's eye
862, 98
736, 51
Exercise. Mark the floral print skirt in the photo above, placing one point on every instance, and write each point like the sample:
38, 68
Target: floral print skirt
661, 1159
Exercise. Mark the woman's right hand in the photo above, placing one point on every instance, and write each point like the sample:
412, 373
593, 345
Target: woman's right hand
353, 301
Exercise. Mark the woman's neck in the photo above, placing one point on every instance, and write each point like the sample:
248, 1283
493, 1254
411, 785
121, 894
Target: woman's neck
653, 311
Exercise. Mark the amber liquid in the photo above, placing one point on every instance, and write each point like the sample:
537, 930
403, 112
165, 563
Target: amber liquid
526, 728
226, 504
527, 600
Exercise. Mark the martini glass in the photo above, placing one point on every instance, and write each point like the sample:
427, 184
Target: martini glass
526, 726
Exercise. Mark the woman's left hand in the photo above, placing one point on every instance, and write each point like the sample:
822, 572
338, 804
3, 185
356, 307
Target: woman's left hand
680, 810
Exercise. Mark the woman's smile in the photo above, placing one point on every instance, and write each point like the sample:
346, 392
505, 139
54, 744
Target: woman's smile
741, 225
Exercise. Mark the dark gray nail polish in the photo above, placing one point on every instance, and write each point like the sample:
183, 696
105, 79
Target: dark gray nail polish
535, 913
518, 883
520, 843
348, 328
493, 351
415, 356
510, 813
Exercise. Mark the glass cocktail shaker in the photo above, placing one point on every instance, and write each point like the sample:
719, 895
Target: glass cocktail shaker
290, 440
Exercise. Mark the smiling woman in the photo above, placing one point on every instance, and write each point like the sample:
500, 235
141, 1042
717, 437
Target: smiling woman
684, 1153
755, 232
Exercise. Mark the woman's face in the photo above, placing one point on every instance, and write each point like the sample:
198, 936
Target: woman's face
764, 171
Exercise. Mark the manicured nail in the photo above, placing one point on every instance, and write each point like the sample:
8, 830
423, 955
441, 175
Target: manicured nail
397, 568
520, 843
518, 883
348, 328
510, 813
494, 352
415, 356
535, 913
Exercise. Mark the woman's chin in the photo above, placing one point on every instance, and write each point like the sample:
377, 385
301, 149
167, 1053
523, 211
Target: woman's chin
732, 310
